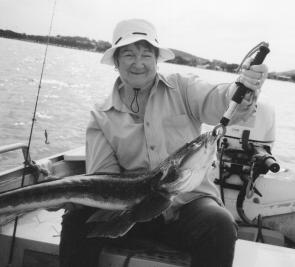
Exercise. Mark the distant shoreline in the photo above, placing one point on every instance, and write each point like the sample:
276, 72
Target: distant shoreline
181, 57
52, 44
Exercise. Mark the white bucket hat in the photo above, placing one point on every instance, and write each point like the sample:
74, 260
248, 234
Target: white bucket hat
131, 31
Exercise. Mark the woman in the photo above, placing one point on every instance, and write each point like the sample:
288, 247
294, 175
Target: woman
146, 118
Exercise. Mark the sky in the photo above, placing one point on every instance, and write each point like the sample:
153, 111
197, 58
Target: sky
214, 29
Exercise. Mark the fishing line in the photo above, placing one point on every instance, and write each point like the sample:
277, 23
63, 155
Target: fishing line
27, 162
249, 54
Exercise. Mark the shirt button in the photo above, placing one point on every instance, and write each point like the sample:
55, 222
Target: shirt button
147, 123
152, 147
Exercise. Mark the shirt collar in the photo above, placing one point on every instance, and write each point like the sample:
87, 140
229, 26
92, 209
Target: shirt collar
163, 79
114, 100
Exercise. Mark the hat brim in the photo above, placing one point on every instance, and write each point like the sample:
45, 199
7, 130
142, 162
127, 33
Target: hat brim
164, 53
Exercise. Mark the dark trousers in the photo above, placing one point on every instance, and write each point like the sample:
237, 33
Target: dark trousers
204, 229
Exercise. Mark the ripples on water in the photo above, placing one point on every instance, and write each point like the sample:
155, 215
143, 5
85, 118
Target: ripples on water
73, 81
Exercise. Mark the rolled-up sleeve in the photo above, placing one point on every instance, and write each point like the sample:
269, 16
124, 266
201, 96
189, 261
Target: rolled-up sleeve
100, 156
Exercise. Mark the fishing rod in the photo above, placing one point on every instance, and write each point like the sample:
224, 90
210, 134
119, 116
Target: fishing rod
27, 162
262, 50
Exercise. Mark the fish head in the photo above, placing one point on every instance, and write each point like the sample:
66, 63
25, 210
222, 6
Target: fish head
200, 151
189, 165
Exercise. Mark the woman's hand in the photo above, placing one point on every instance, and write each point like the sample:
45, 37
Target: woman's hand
253, 76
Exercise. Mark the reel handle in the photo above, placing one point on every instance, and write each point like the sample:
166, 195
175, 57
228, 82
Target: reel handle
266, 160
271, 164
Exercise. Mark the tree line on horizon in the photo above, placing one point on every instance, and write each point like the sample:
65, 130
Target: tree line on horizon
84, 43
66, 41
100, 46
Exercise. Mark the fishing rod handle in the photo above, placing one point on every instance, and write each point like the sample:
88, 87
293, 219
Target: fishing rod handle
258, 59
241, 88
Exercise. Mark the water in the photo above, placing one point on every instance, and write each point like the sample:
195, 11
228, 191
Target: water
73, 81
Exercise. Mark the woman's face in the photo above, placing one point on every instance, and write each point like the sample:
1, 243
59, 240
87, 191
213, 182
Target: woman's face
137, 65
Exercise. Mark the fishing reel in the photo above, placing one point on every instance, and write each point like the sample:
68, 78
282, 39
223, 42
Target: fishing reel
251, 159
247, 160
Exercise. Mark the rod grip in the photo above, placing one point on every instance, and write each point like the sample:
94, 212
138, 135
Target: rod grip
258, 59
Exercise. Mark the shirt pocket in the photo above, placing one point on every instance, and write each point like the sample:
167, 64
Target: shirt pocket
178, 131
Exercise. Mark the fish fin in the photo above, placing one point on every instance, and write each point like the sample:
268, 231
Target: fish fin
118, 225
102, 215
151, 207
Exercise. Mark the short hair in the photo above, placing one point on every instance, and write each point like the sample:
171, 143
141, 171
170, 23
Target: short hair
143, 43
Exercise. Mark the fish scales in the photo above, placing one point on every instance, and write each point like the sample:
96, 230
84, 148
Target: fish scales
94, 187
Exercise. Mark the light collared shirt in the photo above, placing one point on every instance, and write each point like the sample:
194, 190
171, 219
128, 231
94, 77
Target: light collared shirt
176, 108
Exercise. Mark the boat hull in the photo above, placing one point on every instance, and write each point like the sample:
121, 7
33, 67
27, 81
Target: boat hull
276, 205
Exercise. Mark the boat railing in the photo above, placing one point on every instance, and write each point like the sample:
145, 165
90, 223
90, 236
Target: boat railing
11, 178
57, 166
16, 146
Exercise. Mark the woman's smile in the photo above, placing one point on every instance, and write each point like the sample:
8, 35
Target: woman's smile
137, 65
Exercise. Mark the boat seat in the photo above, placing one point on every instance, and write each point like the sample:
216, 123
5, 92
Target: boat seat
77, 154
247, 253
145, 253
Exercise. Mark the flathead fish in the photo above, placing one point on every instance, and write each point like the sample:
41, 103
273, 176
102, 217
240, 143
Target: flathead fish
122, 200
